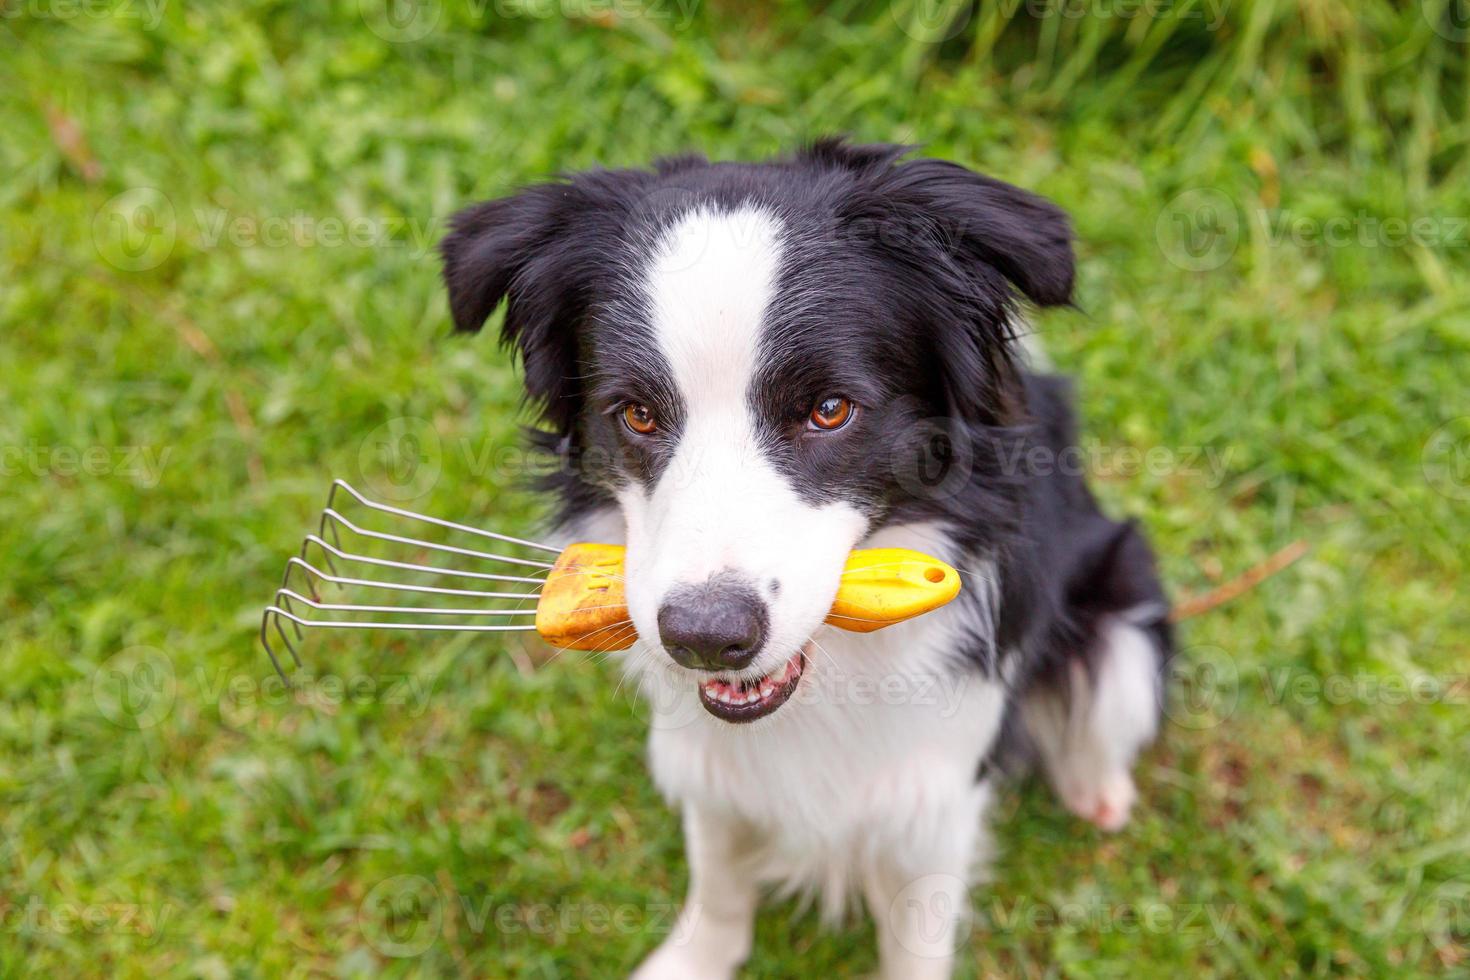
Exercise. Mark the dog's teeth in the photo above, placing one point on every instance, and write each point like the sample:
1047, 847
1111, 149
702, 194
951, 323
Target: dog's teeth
766, 690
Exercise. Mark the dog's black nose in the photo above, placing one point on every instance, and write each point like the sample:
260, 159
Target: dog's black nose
716, 626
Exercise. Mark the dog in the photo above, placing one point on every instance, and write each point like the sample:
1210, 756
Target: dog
752, 369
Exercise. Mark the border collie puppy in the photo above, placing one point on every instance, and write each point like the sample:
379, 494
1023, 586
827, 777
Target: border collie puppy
751, 370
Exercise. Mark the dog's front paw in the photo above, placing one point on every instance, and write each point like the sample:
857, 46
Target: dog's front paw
677, 961
1106, 800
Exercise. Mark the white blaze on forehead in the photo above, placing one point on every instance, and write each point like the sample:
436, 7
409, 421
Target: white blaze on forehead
720, 503
711, 280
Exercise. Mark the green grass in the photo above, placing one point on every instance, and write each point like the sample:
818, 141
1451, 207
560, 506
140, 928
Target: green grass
263, 297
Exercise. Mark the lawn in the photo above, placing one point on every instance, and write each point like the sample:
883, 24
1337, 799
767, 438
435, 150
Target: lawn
218, 291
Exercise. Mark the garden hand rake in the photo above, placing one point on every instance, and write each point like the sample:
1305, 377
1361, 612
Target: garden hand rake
572, 597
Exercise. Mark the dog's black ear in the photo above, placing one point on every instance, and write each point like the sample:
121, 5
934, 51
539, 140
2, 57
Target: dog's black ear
1023, 236
526, 249
977, 245
978, 218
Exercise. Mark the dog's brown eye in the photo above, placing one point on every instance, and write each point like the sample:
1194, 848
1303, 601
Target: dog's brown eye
831, 413
640, 419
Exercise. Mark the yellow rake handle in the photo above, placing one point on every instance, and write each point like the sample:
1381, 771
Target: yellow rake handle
582, 605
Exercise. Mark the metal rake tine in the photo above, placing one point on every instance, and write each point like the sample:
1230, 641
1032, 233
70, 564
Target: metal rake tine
291, 647
311, 585
326, 551
440, 522
265, 619
437, 627
287, 605
408, 566
283, 596
405, 587
322, 526
331, 515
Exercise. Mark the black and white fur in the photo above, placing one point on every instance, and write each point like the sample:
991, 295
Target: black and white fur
729, 299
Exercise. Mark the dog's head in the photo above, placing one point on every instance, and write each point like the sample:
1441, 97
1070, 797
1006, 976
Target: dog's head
748, 362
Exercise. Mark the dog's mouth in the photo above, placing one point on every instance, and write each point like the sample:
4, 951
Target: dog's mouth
742, 701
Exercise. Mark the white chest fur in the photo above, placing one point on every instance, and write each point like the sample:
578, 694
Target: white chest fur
874, 758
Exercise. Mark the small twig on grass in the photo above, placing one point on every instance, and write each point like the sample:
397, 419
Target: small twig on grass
521, 659
71, 142
1241, 584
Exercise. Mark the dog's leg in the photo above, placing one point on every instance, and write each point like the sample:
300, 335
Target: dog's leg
1089, 731
712, 936
917, 919
923, 916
